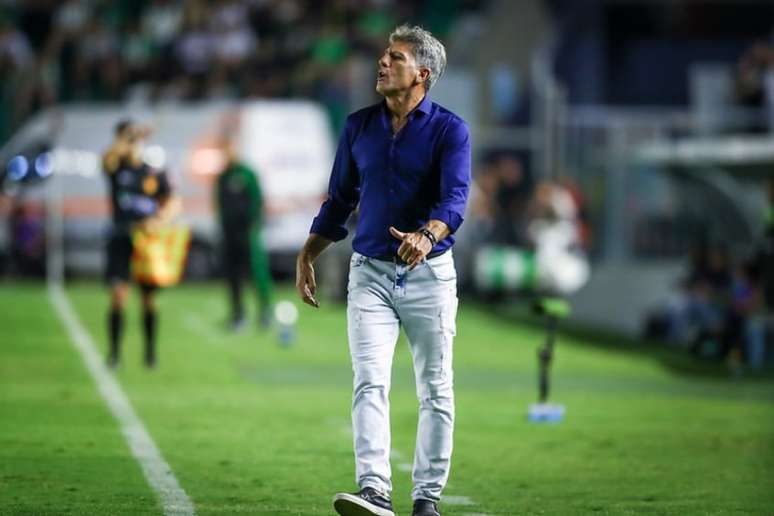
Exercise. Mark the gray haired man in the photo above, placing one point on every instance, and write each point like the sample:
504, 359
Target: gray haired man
406, 163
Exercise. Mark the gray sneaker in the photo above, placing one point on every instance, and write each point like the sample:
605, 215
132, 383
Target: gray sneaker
366, 502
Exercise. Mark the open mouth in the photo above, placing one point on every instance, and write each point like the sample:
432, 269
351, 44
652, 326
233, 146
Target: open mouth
380, 76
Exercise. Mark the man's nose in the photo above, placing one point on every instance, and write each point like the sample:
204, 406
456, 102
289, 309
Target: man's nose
384, 61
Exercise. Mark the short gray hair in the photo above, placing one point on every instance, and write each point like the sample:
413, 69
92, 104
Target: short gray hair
428, 51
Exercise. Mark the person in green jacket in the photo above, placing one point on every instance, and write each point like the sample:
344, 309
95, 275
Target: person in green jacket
240, 209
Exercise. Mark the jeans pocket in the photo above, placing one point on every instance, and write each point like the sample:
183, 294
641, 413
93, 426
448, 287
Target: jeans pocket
442, 271
449, 315
355, 270
357, 260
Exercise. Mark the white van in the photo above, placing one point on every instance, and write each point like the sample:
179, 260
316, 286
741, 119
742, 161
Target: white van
288, 143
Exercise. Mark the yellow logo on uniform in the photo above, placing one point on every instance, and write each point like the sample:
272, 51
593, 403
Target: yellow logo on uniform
150, 185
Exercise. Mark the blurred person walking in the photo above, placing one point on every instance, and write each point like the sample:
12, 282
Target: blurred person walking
240, 210
406, 163
140, 196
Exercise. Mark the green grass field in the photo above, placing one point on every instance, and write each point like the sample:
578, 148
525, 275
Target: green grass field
250, 427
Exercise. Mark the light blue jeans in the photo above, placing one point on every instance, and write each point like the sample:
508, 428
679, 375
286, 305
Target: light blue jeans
382, 297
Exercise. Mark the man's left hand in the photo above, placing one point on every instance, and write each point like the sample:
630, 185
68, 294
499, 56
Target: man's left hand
413, 248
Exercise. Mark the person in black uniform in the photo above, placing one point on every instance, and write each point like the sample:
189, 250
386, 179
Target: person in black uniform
139, 195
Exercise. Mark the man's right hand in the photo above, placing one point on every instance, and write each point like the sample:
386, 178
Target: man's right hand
305, 282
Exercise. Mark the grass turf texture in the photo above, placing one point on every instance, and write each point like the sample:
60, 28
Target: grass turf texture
249, 427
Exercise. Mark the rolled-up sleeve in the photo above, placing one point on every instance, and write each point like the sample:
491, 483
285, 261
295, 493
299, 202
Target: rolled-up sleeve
455, 176
343, 193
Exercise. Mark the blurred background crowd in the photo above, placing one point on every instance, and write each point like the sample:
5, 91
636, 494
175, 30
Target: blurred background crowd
160, 50
640, 131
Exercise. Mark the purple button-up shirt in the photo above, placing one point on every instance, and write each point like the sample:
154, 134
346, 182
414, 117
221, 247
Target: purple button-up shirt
401, 180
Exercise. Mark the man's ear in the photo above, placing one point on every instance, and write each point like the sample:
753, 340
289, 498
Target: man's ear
423, 75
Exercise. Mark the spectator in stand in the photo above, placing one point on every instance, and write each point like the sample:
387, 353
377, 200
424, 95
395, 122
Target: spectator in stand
194, 50
98, 71
69, 21
233, 43
766, 251
161, 23
15, 51
582, 216
515, 187
16, 68
28, 239
137, 53
499, 198
481, 208
707, 300
746, 325
754, 71
751, 69
71, 18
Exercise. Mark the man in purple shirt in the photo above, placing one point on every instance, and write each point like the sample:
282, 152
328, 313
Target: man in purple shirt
406, 163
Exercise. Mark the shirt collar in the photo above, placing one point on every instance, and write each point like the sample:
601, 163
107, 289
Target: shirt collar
425, 106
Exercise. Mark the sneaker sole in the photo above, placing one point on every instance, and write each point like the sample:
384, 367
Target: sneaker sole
350, 505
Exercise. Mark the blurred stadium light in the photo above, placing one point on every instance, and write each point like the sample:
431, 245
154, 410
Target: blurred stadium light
17, 168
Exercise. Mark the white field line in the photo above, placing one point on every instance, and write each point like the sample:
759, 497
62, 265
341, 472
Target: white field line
193, 323
458, 500
157, 472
